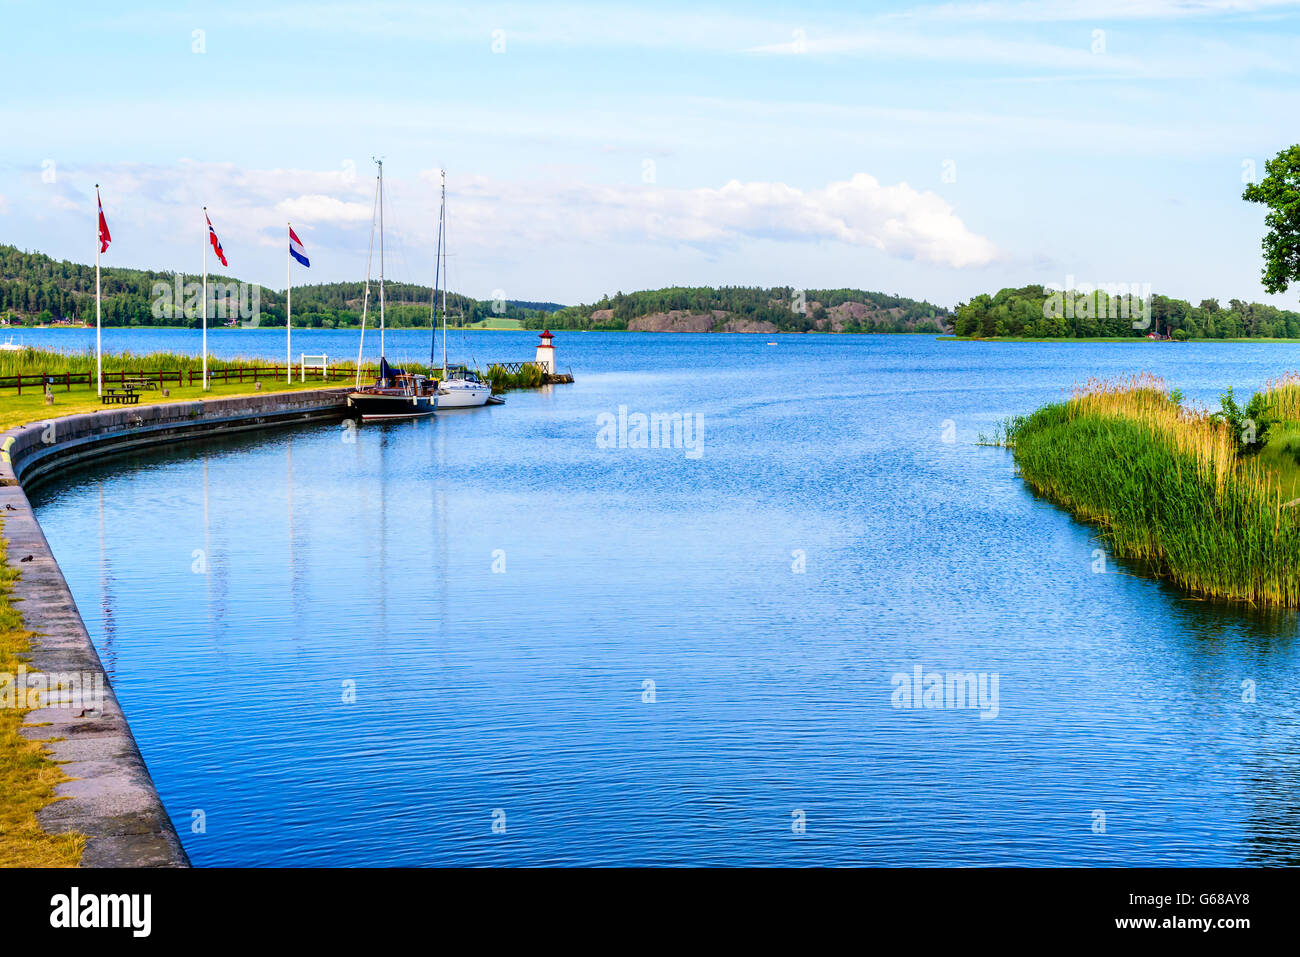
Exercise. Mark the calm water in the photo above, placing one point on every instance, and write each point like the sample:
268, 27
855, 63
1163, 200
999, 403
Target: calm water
237, 589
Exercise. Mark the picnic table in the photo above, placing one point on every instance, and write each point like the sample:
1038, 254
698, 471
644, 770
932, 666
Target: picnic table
140, 384
127, 396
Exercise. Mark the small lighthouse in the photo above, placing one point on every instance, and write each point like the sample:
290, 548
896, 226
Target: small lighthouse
546, 352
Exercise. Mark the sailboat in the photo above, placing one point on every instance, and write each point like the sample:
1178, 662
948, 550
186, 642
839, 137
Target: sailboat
396, 394
459, 388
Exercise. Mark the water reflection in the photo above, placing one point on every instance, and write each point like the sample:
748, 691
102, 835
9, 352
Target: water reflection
524, 690
108, 628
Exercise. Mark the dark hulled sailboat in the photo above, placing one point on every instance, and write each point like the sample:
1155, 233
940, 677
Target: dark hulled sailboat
396, 394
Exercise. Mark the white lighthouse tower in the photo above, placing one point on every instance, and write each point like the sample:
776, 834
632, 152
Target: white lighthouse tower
546, 352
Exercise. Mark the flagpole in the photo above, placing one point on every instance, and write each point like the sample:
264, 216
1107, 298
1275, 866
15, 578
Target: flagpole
288, 306
207, 231
99, 355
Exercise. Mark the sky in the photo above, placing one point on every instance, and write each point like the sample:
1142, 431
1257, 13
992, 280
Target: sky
931, 150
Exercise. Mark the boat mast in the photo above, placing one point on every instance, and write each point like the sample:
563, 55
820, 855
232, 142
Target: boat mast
382, 353
437, 279
365, 302
442, 244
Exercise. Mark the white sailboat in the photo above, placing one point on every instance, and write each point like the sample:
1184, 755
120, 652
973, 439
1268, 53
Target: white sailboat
458, 388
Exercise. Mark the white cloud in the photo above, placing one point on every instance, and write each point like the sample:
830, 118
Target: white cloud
1193, 59
159, 208
318, 208
965, 48
4, 203
897, 220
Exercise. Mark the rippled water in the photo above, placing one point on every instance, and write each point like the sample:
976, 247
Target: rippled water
234, 586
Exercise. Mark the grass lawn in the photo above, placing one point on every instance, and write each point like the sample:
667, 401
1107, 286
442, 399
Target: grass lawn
30, 406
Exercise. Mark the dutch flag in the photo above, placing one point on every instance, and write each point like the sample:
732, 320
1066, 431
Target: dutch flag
296, 250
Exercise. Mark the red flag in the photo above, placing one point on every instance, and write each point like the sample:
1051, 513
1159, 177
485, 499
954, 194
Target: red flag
104, 237
216, 243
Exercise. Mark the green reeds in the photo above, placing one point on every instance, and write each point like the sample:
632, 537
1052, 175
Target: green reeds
530, 376
1165, 486
32, 361
1282, 397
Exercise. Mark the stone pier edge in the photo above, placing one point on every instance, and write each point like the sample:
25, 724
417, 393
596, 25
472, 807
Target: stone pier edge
111, 798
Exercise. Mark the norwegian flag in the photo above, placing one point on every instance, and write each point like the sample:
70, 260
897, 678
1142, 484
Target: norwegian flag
104, 237
216, 243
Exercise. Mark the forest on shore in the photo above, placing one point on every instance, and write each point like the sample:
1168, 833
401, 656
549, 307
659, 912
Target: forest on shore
1040, 313
36, 289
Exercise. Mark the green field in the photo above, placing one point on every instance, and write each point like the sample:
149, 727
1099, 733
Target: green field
495, 323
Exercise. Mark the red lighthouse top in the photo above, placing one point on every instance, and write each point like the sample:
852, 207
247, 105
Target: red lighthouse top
546, 337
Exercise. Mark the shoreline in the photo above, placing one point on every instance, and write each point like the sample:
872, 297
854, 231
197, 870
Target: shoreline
942, 337
1127, 339
391, 328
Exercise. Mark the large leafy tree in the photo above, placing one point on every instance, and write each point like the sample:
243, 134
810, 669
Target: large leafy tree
1279, 190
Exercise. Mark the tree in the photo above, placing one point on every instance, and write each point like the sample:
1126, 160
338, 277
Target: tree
1279, 190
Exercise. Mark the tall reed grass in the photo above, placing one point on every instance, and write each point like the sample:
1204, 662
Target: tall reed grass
31, 361
1282, 397
34, 362
531, 376
1166, 486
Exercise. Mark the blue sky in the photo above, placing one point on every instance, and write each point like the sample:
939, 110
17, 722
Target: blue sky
934, 150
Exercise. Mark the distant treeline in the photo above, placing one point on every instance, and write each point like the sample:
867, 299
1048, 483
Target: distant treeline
1037, 312
35, 288
787, 308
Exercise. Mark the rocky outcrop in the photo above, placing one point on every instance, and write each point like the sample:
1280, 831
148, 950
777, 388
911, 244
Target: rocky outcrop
746, 325
675, 321
679, 320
